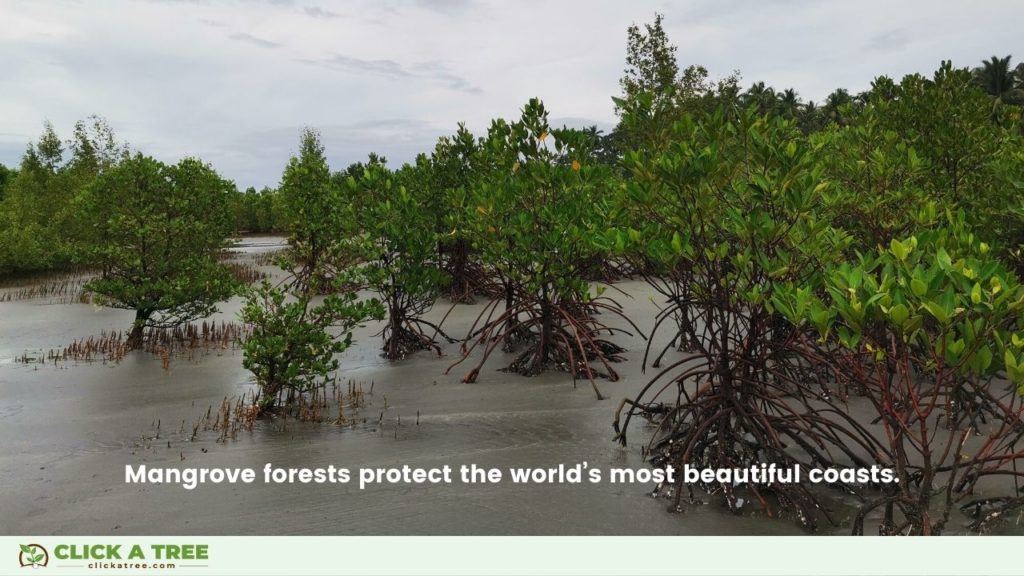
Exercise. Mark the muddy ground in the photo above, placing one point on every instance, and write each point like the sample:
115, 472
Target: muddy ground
69, 429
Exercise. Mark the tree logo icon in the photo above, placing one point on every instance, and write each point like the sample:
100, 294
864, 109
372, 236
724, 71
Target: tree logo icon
34, 555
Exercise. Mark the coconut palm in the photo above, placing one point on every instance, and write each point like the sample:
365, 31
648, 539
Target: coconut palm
810, 119
759, 96
834, 104
994, 76
999, 80
789, 103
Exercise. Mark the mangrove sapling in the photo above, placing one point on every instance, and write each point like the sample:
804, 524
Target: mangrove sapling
456, 163
293, 341
290, 349
320, 220
920, 328
729, 208
156, 234
591, 148
535, 221
400, 264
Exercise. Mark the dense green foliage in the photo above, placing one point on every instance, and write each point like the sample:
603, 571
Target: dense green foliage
397, 212
155, 233
295, 333
869, 247
920, 329
294, 341
536, 220
654, 91
723, 218
318, 218
6, 176
37, 219
258, 212
39, 224
456, 164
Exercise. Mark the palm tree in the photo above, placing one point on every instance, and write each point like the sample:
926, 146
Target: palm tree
789, 102
810, 117
999, 81
760, 96
834, 103
995, 76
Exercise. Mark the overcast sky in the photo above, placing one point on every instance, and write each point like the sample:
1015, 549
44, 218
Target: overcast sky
234, 82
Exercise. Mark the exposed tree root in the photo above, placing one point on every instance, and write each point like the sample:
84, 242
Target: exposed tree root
560, 335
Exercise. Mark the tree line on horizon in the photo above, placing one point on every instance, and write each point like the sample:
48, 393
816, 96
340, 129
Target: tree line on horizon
36, 194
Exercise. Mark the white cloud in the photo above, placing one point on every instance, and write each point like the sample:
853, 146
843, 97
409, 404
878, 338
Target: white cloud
234, 82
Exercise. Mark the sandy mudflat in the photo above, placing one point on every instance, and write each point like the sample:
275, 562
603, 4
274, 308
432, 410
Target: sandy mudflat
69, 430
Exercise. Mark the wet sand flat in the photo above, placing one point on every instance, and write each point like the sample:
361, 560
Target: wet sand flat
70, 429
